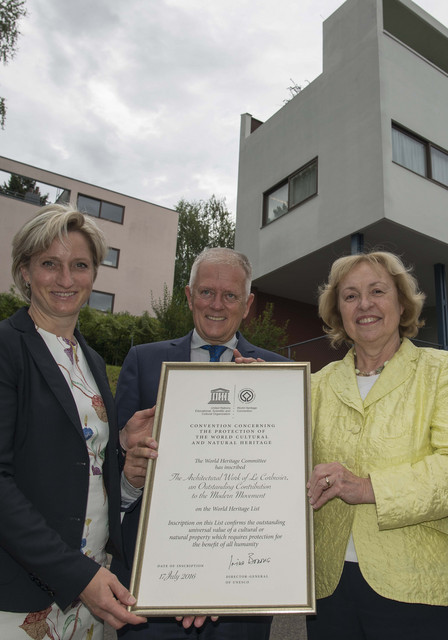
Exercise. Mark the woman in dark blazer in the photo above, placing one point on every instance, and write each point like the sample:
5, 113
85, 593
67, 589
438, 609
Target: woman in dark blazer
59, 458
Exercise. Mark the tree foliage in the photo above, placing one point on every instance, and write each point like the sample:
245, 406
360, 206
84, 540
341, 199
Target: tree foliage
10, 13
173, 315
10, 303
265, 332
113, 334
110, 334
203, 223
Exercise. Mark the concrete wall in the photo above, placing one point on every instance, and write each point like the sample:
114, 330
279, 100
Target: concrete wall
414, 93
336, 118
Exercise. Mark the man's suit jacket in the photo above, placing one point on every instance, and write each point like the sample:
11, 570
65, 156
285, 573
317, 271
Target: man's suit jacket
44, 473
137, 389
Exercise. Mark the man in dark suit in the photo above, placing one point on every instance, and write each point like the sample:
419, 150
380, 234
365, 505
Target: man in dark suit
219, 297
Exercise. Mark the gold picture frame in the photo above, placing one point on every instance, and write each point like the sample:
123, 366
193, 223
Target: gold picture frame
225, 525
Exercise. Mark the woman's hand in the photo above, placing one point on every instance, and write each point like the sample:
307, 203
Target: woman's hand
107, 598
333, 480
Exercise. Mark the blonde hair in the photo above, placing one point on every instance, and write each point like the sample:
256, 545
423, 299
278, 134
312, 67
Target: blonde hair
51, 222
409, 294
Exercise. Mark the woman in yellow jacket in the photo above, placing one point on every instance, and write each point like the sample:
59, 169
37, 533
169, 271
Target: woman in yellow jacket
380, 482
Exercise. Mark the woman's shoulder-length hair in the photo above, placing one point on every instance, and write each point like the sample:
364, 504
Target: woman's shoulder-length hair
409, 294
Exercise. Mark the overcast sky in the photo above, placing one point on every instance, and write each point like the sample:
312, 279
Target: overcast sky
144, 96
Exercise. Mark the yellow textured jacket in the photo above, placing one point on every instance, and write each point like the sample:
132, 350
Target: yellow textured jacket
399, 437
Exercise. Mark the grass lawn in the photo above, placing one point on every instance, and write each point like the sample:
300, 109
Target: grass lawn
112, 374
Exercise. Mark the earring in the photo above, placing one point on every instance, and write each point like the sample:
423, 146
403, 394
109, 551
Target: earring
27, 285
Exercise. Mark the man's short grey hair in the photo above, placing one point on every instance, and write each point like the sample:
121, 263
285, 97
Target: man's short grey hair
222, 255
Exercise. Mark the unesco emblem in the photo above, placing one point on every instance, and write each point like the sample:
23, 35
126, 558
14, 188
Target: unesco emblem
246, 396
219, 396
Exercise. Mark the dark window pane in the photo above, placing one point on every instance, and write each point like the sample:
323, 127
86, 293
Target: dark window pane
111, 212
89, 205
277, 203
101, 301
439, 163
303, 185
408, 152
111, 259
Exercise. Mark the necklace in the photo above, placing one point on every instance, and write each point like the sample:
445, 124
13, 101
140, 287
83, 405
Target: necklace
374, 372
366, 374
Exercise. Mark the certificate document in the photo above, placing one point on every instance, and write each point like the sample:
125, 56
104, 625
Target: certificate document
225, 525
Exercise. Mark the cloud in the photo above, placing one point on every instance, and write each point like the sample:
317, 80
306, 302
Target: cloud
145, 97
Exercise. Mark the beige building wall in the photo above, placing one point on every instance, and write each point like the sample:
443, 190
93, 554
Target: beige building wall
146, 239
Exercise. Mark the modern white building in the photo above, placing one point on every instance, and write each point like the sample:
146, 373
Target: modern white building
359, 156
141, 236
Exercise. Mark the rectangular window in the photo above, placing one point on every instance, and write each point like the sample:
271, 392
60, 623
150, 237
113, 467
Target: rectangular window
419, 155
89, 205
408, 151
277, 203
111, 259
102, 301
303, 185
101, 209
296, 189
31, 190
439, 164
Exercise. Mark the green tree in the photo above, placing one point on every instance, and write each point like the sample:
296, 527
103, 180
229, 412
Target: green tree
10, 303
173, 315
112, 334
203, 223
10, 13
265, 332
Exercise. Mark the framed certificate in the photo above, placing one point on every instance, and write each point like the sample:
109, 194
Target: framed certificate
225, 525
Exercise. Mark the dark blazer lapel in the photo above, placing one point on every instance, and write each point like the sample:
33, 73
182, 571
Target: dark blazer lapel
246, 349
46, 364
180, 349
50, 371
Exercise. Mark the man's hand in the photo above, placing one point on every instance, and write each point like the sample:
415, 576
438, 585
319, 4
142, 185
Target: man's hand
198, 621
136, 463
136, 439
107, 598
239, 359
137, 428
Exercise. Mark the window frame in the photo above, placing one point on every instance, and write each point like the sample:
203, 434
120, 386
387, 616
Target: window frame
112, 266
105, 293
427, 145
101, 202
289, 181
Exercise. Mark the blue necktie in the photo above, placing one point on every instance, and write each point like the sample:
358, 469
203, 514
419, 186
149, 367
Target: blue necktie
216, 351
